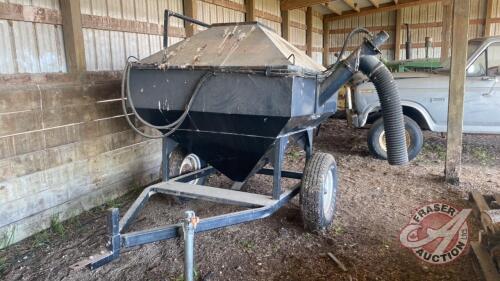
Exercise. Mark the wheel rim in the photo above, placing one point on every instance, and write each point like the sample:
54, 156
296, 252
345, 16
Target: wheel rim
383, 143
328, 191
189, 164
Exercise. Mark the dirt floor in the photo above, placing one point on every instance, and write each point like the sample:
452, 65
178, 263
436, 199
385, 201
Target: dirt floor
375, 202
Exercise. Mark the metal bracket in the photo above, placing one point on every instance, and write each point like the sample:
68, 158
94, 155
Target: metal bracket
279, 154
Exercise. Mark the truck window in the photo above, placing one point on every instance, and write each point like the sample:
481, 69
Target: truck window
493, 53
478, 68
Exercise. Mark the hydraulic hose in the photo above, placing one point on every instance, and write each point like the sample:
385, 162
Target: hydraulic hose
392, 111
171, 127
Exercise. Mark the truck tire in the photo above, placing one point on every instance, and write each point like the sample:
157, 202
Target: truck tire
376, 139
318, 194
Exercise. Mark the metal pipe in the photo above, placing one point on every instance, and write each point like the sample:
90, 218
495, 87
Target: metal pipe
188, 228
408, 42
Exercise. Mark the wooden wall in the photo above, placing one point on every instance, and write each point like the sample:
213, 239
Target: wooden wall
317, 37
65, 147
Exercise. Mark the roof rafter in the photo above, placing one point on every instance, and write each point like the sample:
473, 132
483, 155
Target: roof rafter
375, 3
334, 9
353, 4
386, 7
295, 4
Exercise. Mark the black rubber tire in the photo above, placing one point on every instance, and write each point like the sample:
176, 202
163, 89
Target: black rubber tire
175, 160
311, 193
412, 129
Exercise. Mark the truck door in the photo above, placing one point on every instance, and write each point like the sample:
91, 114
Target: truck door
482, 97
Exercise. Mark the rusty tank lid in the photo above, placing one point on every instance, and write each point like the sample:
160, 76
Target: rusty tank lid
248, 45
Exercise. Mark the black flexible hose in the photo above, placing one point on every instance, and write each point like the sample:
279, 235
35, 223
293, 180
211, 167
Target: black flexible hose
392, 111
171, 127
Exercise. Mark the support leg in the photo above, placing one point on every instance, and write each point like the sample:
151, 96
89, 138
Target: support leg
279, 153
168, 145
188, 227
308, 147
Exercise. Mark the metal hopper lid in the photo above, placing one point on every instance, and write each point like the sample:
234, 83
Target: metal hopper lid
244, 45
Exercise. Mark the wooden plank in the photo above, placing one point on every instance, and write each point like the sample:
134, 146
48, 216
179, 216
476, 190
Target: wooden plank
488, 15
227, 4
446, 30
326, 41
73, 36
267, 16
386, 7
215, 194
296, 4
285, 25
132, 26
397, 34
457, 90
250, 10
309, 31
9, 11
190, 10
488, 268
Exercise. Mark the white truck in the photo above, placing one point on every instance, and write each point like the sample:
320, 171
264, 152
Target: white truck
424, 96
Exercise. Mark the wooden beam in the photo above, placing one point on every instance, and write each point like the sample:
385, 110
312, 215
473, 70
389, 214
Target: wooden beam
352, 4
488, 16
190, 10
295, 4
285, 25
446, 30
375, 3
250, 14
386, 7
73, 36
334, 9
309, 31
9, 11
326, 41
397, 34
457, 90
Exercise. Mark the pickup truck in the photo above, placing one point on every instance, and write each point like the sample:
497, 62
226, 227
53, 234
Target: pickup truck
424, 96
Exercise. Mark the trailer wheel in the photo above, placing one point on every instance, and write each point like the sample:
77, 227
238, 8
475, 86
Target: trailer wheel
180, 163
377, 144
318, 195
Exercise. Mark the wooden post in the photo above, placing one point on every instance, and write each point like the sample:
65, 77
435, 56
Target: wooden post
326, 41
397, 34
487, 23
457, 90
446, 29
250, 6
190, 10
285, 24
309, 31
73, 36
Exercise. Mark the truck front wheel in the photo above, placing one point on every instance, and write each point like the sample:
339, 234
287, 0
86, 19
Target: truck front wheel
377, 144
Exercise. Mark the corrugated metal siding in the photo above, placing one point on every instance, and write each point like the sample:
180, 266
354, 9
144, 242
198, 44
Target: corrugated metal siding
317, 38
212, 13
297, 28
271, 7
375, 22
108, 50
28, 47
